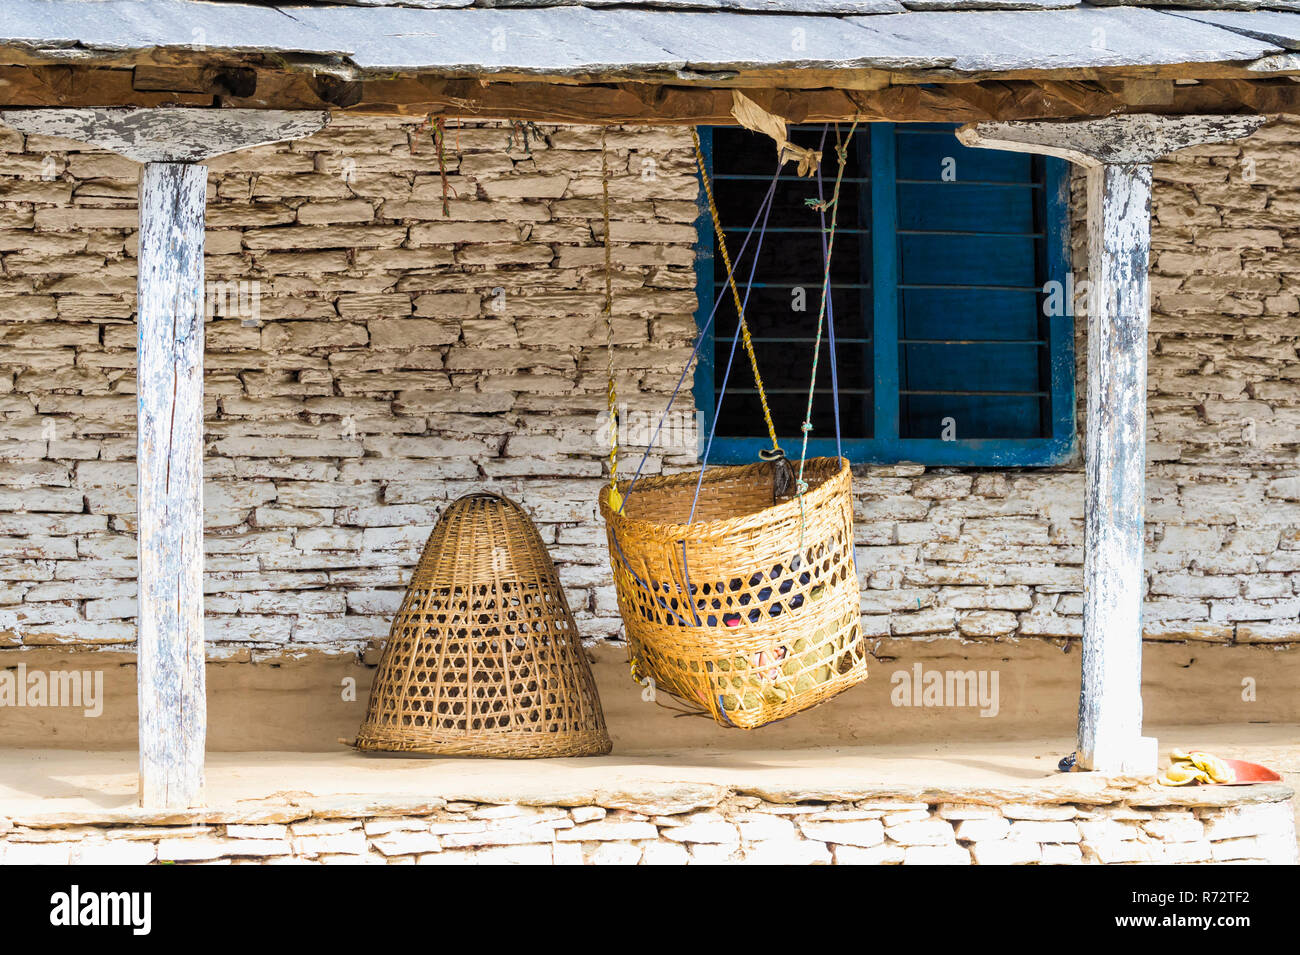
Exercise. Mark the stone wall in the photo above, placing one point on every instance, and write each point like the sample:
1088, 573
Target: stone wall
370, 359
740, 829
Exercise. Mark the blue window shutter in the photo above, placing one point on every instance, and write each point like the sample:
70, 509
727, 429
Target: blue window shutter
885, 261
966, 240
973, 340
961, 243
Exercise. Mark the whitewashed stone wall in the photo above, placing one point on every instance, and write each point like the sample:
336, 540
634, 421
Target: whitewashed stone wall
378, 360
740, 829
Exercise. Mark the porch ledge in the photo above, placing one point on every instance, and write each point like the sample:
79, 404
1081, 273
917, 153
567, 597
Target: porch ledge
47, 789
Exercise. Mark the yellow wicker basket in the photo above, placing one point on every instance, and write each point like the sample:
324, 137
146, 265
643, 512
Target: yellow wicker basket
484, 657
751, 611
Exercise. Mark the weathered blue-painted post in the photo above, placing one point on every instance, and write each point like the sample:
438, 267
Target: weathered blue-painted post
1117, 153
169, 425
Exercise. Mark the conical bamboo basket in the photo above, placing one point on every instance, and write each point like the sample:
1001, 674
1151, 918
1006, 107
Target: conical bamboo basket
484, 657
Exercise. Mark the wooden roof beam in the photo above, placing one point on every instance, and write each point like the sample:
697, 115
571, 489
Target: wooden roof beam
638, 102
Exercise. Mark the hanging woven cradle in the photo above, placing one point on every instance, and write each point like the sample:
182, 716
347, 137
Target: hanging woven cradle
751, 611
484, 657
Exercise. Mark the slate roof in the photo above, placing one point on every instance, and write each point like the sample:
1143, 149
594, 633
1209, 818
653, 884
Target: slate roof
634, 37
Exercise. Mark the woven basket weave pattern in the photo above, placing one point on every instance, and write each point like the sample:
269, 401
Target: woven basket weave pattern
484, 657
771, 626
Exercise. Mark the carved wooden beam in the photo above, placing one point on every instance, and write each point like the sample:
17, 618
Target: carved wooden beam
168, 135
1112, 140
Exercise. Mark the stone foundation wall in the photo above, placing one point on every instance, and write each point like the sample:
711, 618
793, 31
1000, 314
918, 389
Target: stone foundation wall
741, 829
370, 359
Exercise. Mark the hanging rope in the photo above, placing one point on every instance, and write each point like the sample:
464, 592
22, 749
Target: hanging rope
700, 339
765, 211
757, 228
615, 499
830, 301
776, 452
841, 154
828, 238
440, 140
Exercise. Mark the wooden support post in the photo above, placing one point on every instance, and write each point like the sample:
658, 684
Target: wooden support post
1119, 251
169, 373
169, 464
1117, 153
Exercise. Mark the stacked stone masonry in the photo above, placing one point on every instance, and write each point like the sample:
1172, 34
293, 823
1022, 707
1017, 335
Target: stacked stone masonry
740, 829
370, 359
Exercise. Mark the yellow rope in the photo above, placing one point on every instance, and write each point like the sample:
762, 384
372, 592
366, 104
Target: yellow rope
615, 500
735, 292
